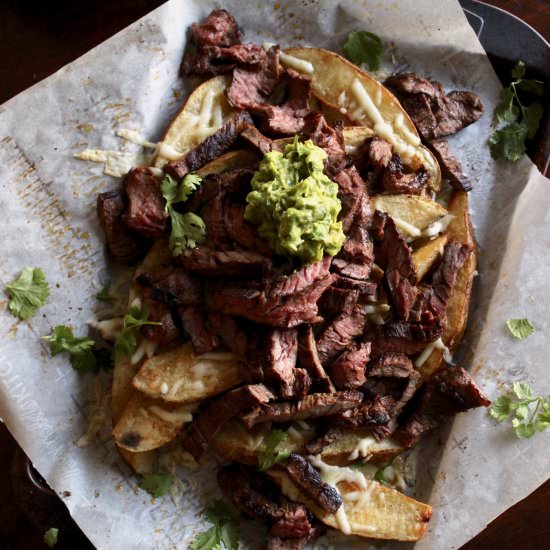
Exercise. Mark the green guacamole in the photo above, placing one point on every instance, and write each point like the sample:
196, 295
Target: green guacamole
294, 204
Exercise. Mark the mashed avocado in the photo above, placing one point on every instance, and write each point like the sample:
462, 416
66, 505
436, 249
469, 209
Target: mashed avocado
294, 204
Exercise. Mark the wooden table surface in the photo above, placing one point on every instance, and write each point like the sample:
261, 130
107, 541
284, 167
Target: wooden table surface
36, 39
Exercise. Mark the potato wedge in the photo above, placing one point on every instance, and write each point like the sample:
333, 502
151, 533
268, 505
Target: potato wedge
179, 376
203, 113
460, 229
343, 85
358, 444
141, 463
425, 256
147, 424
411, 213
369, 508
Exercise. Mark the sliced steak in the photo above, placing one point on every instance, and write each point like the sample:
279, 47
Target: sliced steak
218, 412
228, 263
308, 358
145, 213
394, 256
212, 147
213, 216
242, 232
229, 332
449, 391
395, 180
308, 480
374, 412
348, 369
167, 331
340, 333
194, 321
411, 83
456, 111
312, 406
300, 279
450, 165
393, 365
338, 300
351, 188
123, 246
218, 29
173, 286
254, 137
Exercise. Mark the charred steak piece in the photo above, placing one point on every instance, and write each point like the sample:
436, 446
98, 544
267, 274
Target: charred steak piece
211, 419
229, 332
307, 478
449, 391
450, 165
173, 286
194, 321
123, 246
393, 365
312, 406
145, 213
348, 369
395, 180
212, 147
308, 358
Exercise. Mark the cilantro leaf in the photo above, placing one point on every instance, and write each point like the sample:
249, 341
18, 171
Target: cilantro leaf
509, 141
62, 339
272, 455
529, 413
364, 47
103, 295
190, 183
126, 341
515, 121
169, 190
225, 530
156, 485
380, 476
28, 292
188, 230
50, 536
520, 328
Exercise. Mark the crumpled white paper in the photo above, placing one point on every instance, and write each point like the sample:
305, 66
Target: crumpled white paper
48, 203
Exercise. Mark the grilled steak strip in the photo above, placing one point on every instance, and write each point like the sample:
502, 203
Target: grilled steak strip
309, 359
211, 419
312, 406
348, 370
307, 478
194, 321
450, 165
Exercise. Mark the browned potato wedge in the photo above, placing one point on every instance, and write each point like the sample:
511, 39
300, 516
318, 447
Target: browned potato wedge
203, 113
340, 84
360, 445
228, 161
141, 463
369, 508
411, 213
147, 424
179, 376
460, 229
425, 256
236, 442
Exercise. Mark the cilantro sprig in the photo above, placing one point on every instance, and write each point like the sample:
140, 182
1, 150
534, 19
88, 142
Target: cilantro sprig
188, 229
80, 349
520, 328
527, 412
156, 485
28, 292
50, 537
515, 120
364, 47
126, 342
224, 532
273, 454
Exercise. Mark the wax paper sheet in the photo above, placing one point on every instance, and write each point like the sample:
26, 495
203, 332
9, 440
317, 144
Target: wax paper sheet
47, 201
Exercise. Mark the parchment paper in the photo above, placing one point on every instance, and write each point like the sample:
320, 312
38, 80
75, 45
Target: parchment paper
47, 201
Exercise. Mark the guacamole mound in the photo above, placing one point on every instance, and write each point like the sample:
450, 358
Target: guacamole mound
294, 204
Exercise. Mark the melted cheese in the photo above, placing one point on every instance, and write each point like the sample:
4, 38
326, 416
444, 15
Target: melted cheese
177, 416
438, 226
168, 152
407, 228
116, 163
295, 63
438, 344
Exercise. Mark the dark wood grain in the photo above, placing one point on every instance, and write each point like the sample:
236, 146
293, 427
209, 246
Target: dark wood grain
36, 39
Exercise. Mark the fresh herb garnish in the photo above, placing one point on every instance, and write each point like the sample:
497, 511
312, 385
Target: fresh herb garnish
380, 476
28, 292
364, 47
80, 348
272, 454
188, 229
103, 295
520, 328
50, 536
516, 121
224, 532
528, 413
136, 317
156, 485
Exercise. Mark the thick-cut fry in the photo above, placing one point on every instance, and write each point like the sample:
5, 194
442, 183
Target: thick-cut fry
147, 424
203, 113
339, 83
411, 213
141, 463
425, 256
359, 444
369, 508
180, 376
460, 230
